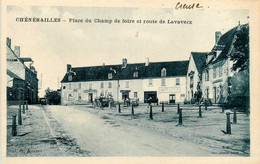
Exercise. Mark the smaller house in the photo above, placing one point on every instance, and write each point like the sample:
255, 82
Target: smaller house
196, 62
22, 82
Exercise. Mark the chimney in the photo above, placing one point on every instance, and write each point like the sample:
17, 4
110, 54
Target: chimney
68, 67
124, 62
217, 36
8, 42
238, 27
17, 50
147, 62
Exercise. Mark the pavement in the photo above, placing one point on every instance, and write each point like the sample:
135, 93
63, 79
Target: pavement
204, 132
105, 137
81, 130
39, 135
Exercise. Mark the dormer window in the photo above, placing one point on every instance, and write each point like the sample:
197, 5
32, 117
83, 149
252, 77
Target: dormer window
135, 74
70, 78
163, 72
110, 76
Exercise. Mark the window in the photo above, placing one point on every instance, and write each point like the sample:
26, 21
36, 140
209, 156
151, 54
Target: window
220, 71
191, 82
135, 74
135, 94
214, 73
90, 85
79, 85
150, 82
69, 96
79, 96
163, 72
177, 81
110, 76
207, 75
69, 85
70, 78
163, 82
127, 84
220, 91
207, 93
101, 85
64, 87
109, 85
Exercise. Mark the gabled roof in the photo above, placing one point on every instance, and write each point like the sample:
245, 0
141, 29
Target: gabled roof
199, 59
153, 70
226, 41
12, 75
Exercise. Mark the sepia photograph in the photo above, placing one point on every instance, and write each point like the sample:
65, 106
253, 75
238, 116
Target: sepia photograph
127, 81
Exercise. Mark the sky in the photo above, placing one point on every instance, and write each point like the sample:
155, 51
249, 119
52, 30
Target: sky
54, 45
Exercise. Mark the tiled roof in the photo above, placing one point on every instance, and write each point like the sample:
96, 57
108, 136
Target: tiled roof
226, 42
199, 59
153, 70
12, 75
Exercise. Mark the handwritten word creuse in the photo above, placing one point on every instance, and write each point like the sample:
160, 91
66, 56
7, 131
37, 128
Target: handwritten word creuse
187, 6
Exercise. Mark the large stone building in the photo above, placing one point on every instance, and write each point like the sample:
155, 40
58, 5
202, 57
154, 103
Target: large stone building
207, 74
22, 82
211, 72
165, 81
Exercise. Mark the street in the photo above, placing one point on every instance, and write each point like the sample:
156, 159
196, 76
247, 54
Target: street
102, 135
81, 130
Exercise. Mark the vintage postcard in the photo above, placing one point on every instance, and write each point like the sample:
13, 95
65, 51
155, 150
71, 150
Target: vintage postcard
163, 81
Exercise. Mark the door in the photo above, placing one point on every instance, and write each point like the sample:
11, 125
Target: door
172, 98
148, 94
90, 97
125, 95
215, 95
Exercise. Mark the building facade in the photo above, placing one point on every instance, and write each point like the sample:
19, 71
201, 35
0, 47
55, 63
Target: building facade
22, 82
210, 73
194, 75
207, 74
164, 81
217, 72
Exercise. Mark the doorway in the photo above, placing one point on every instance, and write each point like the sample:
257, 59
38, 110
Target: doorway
172, 98
125, 95
148, 94
90, 97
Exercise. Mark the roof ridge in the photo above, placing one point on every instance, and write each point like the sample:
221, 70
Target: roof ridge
131, 64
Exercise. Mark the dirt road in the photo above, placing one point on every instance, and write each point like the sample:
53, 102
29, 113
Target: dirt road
106, 137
